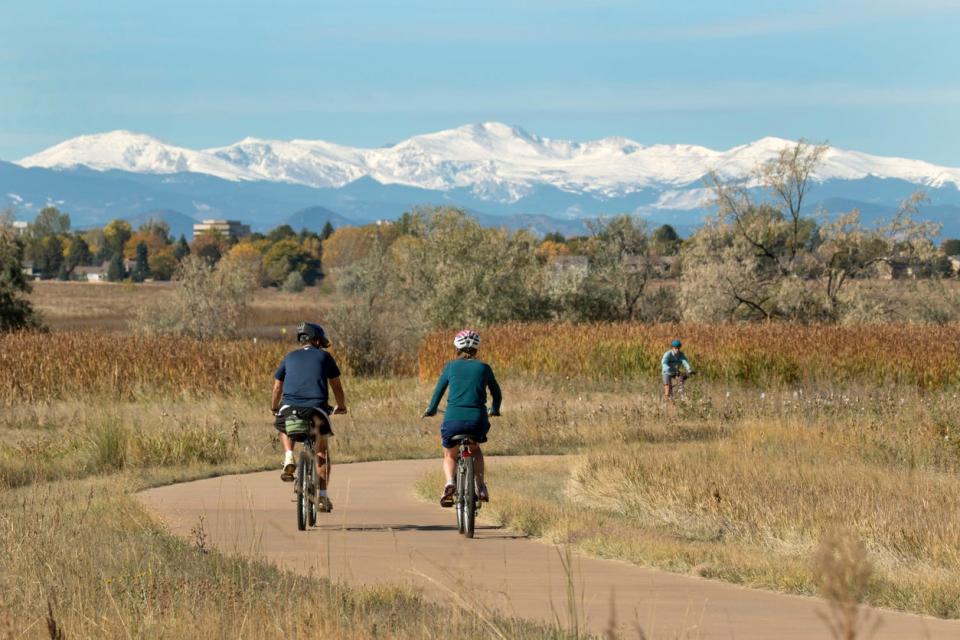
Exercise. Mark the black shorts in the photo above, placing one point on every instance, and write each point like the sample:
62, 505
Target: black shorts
319, 417
477, 430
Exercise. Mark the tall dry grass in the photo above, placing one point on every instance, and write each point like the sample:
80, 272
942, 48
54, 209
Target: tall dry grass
761, 354
81, 559
110, 307
745, 487
43, 366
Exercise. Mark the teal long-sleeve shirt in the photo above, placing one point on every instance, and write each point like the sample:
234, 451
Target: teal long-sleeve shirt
671, 362
468, 381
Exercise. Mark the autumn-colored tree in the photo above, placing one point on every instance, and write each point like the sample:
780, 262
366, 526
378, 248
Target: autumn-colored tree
115, 236
210, 245
77, 253
163, 264
155, 235
284, 258
247, 254
550, 249
349, 245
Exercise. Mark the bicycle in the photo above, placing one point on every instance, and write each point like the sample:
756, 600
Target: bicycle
305, 485
466, 503
677, 386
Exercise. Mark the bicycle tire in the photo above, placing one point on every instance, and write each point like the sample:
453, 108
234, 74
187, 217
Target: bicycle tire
314, 494
458, 507
301, 488
469, 498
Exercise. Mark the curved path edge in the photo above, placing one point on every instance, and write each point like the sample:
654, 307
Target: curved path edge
379, 532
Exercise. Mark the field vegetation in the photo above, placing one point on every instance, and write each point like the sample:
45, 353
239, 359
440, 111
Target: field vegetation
742, 484
764, 355
82, 559
838, 425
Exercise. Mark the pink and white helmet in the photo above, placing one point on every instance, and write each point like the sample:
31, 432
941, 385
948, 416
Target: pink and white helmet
467, 339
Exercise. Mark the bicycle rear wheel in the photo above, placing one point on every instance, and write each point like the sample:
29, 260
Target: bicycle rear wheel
469, 497
303, 500
458, 507
313, 493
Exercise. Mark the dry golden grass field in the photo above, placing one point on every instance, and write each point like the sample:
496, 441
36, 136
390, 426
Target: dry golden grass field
791, 435
112, 307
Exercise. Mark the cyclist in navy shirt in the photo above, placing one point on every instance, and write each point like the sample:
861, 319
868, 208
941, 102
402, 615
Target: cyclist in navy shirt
301, 385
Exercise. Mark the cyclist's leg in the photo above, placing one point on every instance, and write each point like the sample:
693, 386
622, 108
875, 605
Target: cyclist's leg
478, 467
323, 462
667, 385
449, 469
289, 466
477, 461
449, 463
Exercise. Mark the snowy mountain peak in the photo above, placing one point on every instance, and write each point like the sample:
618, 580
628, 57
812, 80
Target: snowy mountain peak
493, 160
134, 152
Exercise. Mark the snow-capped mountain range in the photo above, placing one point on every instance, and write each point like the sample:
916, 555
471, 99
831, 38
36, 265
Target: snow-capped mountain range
493, 161
502, 175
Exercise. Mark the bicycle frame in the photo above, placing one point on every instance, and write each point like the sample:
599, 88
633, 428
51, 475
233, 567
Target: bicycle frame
466, 503
305, 486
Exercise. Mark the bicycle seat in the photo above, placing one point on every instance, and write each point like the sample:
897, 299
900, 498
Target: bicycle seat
461, 437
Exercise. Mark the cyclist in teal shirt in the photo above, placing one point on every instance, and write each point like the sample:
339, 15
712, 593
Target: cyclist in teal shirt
670, 365
467, 380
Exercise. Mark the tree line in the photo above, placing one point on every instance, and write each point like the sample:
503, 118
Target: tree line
762, 256
283, 256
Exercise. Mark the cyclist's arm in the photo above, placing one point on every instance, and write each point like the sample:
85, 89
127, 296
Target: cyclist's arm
438, 393
338, 394
277, 394
665, 363
495, 394
686, 364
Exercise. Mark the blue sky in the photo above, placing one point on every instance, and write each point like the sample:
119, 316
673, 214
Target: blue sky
880, 76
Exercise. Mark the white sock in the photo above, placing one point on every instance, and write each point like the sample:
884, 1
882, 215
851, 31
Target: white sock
450, 482
323, 493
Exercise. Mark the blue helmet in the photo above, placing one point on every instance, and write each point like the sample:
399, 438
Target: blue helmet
675, 343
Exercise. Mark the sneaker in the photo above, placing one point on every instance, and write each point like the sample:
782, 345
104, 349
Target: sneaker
446, 500
324, 505
289, 466
482, 492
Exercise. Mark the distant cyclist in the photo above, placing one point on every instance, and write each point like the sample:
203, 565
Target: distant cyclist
468, 380
300, 387
670, 365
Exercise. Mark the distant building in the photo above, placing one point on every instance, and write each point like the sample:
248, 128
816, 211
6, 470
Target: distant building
20, 227
895, 269
954, 264
567, 271
92, 274
232, 229
28, 270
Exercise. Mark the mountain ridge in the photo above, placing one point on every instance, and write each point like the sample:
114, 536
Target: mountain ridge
494, 161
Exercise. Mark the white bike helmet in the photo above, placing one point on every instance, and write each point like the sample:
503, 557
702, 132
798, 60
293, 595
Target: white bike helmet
467, 339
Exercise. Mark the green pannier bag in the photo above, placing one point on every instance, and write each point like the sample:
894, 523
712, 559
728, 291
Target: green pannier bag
295, 426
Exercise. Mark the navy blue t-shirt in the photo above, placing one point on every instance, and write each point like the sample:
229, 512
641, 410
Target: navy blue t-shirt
304, 374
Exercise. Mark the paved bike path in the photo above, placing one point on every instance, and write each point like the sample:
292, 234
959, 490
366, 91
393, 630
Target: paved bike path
379, 532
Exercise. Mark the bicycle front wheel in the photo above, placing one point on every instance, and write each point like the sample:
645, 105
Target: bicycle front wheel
303, 499
469, 497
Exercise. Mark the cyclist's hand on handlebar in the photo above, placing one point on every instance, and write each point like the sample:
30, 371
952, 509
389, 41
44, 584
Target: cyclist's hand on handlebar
429, 414
493, 414
339, 411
